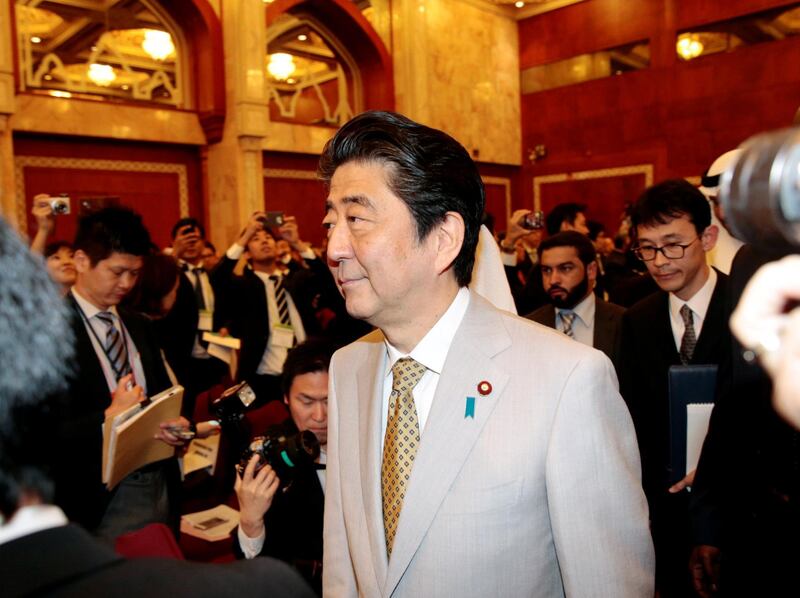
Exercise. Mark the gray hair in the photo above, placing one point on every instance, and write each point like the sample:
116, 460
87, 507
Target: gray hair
36, 345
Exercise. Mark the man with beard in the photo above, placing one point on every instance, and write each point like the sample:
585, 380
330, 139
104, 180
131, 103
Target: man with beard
569, 271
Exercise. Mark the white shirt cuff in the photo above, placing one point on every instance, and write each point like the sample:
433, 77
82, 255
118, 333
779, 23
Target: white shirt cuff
308, 254
508, 259
251, 547
234, 252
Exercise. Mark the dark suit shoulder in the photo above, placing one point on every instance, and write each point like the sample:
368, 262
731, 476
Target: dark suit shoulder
546, 315
610, 310
647, 307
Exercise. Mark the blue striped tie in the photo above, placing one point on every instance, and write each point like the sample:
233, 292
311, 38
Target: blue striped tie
115, 348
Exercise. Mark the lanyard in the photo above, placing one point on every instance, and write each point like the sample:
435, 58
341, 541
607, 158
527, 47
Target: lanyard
102, 344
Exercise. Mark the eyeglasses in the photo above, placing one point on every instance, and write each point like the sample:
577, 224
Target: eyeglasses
671, 251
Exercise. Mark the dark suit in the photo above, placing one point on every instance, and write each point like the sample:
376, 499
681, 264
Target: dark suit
648, 351
248, 314
293, 524
177, 333
66, 561
80, 413
747, 488
607, 334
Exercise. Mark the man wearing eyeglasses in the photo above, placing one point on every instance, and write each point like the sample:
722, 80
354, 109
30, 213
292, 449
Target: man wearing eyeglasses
684, 323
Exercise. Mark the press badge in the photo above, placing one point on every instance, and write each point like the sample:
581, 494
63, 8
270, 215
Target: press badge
206, 320
283, 336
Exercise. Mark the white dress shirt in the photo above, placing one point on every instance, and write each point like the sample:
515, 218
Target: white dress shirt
100, 330
583, 324
431, 352
698, 303
29, 520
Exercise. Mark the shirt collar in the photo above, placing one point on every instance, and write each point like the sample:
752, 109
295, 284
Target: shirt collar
32, 519
585, 310
89, 309
432, 350
699, 302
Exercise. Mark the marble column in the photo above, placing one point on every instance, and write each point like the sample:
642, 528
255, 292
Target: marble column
8, 199
234, 166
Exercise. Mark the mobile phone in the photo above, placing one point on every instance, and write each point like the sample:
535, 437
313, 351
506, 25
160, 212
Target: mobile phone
207, 524
272, 220
533, 221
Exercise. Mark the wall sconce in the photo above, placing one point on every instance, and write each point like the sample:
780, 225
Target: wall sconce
539, 152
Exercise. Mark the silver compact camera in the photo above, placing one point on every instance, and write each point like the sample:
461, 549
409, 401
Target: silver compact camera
60, 204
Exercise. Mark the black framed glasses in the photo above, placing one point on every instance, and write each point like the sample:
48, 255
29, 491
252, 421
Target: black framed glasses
671, 251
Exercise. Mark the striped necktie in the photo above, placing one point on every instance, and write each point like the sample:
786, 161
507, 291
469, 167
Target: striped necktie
689, 340
115, 348
281, 300
400, 443
567, 318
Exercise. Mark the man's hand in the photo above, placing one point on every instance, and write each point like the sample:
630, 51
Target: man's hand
255, 494
290, 233
43, 212
166, 431
704, 566
187, 238
126, 395
686, 482
515, 229
254, 224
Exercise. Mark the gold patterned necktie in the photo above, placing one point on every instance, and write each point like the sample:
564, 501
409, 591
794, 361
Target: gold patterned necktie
689, 340
400, 443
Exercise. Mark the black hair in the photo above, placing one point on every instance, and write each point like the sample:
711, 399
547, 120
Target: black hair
312, 355
193, 222
111, 230
563, 212
595, 228
55, 247
427, 169
35, 354
668, 200
157, 278
570, 238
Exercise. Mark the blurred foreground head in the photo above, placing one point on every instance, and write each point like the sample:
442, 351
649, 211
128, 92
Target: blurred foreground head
35, 353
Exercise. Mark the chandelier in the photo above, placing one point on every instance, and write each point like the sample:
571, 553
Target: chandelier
158, 44
281, 65
689, 46
101, 74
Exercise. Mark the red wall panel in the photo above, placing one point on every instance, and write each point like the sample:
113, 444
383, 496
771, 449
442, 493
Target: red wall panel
155, 195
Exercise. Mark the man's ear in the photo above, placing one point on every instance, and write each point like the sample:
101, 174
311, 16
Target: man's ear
709, 237
449, 238
591, 271
82, 262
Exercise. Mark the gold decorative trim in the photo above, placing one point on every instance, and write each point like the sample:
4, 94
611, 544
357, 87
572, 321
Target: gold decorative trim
288, 173
584, 175
20, 162
506, 183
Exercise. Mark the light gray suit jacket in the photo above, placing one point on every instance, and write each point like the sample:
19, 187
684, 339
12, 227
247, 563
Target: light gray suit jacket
538, 495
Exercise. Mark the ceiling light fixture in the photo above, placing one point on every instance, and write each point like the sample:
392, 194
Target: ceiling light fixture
101, 74
689, 46
158, 44
36, 39
302, 37
281, 65
519, 4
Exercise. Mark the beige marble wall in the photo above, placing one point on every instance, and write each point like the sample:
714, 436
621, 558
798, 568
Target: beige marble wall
7, 200
65, 116
457, 69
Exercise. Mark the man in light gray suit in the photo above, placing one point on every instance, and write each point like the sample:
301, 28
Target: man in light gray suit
568, 262
471, 452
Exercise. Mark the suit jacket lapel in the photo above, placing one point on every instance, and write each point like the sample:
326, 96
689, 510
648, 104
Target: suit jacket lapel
370, 388
714, 326
448, 432
602, 338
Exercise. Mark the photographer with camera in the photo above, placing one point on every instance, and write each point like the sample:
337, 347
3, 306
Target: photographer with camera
268, 310
287, 524
58, 255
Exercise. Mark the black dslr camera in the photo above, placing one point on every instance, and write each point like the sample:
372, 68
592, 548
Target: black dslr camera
760, 194
287, 455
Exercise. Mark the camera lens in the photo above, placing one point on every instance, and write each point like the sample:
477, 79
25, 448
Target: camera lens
59, 207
